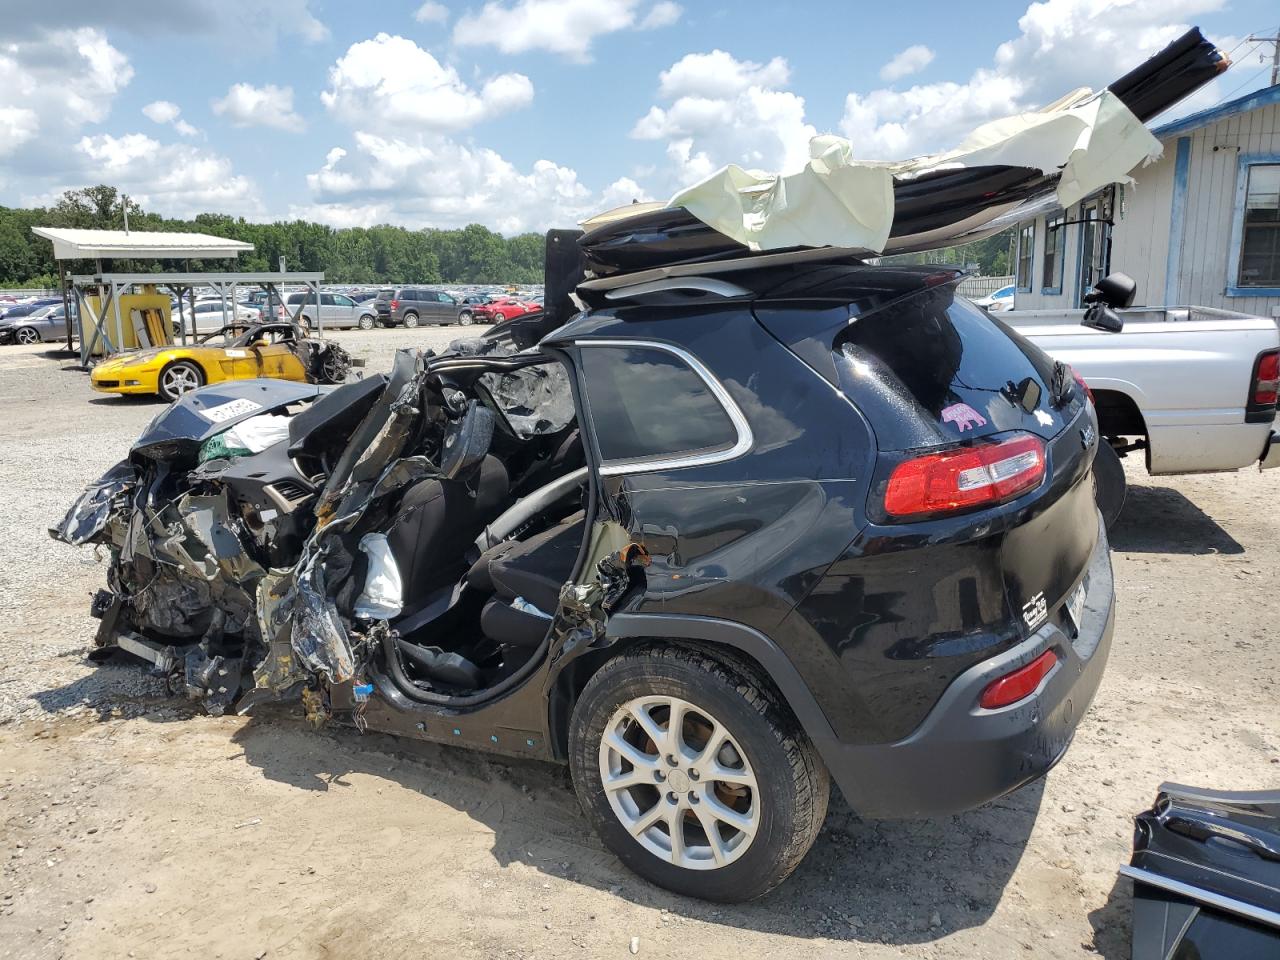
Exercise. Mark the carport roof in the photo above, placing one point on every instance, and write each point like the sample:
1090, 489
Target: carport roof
74, 244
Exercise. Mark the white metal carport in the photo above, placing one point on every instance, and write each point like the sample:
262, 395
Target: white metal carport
106, 325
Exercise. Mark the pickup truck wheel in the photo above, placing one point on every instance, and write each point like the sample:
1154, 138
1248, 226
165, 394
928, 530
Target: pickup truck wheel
465, 318
410, 320
179, 377
695, 774
365, 322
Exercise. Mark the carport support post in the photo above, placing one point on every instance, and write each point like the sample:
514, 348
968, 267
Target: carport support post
66, 302
115, 302
315, 288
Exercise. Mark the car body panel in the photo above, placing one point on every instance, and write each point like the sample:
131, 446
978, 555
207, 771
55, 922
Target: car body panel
218, 364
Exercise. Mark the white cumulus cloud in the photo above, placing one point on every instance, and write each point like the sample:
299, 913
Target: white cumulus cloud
911, 60
390, 82
1061, 45
175, 179
565, 27
166, 112
431, 12
724, 110
267, 106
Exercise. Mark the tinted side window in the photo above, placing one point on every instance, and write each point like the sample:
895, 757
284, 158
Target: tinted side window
412, 293
326, 300
648, 403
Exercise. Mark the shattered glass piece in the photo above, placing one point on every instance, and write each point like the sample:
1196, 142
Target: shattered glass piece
535, 400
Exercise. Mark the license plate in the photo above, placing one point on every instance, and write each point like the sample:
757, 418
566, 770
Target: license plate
1075, 604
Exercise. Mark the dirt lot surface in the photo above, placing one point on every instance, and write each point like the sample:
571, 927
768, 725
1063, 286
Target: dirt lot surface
132, 827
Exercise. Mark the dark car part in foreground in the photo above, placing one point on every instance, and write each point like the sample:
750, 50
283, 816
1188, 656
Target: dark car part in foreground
1206, 875
712, 542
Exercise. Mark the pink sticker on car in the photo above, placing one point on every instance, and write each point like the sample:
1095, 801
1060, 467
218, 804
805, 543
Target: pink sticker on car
963, 416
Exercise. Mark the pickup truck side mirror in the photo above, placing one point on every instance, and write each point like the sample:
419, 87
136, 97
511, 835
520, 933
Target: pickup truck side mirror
1113, 292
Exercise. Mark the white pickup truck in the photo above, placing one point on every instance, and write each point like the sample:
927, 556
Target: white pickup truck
1192, 386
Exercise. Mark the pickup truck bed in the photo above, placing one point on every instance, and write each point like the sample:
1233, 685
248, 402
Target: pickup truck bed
1175, 380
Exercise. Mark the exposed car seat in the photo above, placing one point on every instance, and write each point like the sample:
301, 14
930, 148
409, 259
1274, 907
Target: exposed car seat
532, 570
436, 522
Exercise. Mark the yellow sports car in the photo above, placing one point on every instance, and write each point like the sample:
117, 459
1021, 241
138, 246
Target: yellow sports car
279, 349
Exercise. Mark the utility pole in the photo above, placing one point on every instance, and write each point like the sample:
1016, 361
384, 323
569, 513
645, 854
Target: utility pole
1275, 53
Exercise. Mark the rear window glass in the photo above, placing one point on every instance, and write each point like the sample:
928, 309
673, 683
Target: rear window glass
934, 369
648, 403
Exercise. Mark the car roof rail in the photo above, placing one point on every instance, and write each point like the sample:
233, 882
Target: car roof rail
719, 288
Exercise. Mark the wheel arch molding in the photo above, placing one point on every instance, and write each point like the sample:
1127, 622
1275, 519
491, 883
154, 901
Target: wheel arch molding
710, 634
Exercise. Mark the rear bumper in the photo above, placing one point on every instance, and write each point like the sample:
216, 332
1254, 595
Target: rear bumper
962, 755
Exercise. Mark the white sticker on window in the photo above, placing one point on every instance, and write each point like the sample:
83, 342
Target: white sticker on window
228, 411
237, 354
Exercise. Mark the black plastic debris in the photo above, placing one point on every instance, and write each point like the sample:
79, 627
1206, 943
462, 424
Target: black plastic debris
1206, 873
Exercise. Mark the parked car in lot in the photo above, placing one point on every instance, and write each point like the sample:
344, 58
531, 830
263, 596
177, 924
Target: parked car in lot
410, 306
210, 316
278, 350
43, 324
997, 301
802, 533
1192, 389
337, 310
504, 308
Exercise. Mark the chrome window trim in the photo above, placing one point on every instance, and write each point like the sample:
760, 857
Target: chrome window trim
745, 439
720, 288
1207, 897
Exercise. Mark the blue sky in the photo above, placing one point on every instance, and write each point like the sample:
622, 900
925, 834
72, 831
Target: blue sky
521, 114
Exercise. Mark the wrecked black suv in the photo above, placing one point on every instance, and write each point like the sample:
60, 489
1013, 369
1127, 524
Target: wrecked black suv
713, 542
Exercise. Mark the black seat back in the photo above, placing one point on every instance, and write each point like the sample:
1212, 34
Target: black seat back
435, 524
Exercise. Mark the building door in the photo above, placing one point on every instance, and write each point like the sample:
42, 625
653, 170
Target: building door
1095, 250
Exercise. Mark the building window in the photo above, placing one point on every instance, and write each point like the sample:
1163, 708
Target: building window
1052, 278
1026, 251
1260, 227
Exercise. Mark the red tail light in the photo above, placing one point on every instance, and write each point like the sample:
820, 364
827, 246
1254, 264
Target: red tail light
1019, 684
1266, 380
1083, 386
395, 304
965, 478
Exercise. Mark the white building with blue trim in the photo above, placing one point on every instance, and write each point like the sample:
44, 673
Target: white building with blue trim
1199, 226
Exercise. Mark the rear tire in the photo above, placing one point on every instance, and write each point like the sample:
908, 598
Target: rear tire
179, 377
410, 320
465, 318
763, 791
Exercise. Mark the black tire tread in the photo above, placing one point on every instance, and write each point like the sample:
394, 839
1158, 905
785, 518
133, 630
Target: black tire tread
809, 776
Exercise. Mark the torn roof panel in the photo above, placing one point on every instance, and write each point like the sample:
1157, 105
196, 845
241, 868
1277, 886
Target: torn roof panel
1067, 150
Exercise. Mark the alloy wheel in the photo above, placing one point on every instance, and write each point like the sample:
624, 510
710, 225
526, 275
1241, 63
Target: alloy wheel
678, 782
178, 380
27, 335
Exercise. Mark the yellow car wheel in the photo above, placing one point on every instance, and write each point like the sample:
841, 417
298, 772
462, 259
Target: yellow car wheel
179, 377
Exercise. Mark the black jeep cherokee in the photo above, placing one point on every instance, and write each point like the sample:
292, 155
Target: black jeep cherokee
714, 542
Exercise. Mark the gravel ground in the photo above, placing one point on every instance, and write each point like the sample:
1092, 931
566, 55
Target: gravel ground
130, 826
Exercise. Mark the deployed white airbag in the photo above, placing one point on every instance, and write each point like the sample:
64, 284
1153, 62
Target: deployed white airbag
383, 594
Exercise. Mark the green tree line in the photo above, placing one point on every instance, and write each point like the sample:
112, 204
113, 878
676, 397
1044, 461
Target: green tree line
993, 256
377, 254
